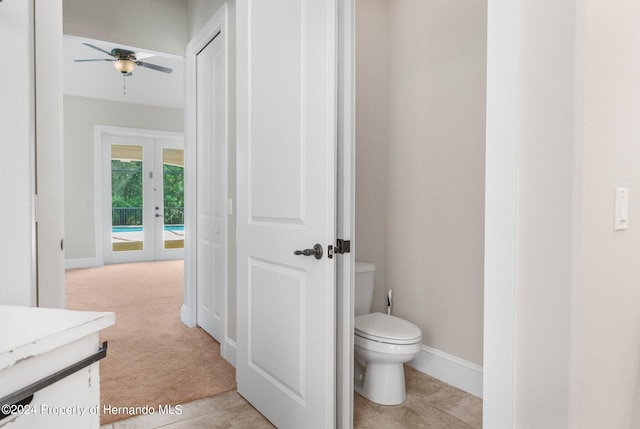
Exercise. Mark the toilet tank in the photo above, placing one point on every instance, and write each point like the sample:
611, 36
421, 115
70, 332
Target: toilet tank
363, 289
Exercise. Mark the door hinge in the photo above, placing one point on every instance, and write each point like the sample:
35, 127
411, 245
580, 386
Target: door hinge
343, 246
35, 208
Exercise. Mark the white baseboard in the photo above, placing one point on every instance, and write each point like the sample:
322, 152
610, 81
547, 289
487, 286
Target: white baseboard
187, 316
451, 369
229, 351
82, 263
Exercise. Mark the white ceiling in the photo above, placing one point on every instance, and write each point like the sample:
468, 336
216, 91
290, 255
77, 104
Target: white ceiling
101, 80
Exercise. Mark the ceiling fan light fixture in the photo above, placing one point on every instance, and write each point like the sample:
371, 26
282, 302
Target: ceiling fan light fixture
124, 66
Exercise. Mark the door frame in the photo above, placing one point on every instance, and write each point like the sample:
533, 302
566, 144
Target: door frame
501, 213
216, 26
101, 133
345, 222
47, 166
501, 209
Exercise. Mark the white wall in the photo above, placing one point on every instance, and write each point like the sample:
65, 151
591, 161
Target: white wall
606, 300
81, 115
578, 306
546, 214
199, 12
158, 25
16, 141
420, 163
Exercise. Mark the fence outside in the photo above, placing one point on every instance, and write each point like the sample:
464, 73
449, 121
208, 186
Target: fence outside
132, 216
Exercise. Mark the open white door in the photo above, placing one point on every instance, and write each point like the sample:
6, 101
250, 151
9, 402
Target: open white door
286, 153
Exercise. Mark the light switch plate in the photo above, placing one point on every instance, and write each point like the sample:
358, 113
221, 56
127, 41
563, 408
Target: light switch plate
621, 209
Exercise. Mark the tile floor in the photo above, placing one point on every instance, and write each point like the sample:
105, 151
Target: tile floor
430, 404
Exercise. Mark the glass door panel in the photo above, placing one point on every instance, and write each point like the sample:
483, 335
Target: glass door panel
127, 198
173, 198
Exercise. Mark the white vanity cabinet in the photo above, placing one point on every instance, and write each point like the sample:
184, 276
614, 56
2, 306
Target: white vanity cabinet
53, 355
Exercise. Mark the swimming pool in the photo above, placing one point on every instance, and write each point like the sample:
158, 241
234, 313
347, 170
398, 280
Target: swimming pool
138, 228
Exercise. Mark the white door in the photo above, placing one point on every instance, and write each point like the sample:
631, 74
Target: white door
286, 153
211, 264
168, 193
142, 197
127, 190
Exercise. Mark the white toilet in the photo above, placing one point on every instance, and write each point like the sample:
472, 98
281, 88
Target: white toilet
382, 344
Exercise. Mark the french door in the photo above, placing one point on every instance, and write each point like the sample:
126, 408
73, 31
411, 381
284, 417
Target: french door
142, 197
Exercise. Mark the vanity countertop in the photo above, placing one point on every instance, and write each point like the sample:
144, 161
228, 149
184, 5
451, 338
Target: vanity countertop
29, 331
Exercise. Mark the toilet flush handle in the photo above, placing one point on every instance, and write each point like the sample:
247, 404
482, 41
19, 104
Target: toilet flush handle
316, 252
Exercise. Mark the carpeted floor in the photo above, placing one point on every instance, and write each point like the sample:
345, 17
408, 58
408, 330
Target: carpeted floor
153, 358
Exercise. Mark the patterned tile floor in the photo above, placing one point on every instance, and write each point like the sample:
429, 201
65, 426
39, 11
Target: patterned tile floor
430, 404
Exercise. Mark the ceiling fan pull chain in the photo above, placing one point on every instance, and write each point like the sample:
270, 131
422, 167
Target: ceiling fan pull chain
124, 85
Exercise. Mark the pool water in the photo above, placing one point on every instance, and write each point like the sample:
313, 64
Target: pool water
139, 228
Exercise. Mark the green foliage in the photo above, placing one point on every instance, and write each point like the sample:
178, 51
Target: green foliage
126, 184
173, 194
126, 193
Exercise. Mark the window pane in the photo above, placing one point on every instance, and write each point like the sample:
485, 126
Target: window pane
127, 229
173, 187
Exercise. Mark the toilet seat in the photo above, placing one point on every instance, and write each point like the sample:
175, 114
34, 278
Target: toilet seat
383, 328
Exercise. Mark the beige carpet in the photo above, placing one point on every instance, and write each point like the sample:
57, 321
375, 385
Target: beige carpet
153, 358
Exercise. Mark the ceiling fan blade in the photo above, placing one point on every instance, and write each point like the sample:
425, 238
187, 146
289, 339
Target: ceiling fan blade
95, 47
144, 55
154, 67
100, 59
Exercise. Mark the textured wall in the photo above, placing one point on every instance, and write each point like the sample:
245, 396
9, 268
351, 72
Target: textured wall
545, 213
606, 304
16, 141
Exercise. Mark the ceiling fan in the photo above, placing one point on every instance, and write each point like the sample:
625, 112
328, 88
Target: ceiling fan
124, 60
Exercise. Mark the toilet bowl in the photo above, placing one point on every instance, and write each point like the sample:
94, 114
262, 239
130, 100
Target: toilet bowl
383, 343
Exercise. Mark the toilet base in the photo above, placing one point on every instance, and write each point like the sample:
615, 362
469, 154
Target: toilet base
383, 383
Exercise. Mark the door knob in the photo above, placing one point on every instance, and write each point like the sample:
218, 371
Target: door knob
158, 215
316, 252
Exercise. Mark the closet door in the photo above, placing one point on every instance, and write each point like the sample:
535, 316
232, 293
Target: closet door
211, 193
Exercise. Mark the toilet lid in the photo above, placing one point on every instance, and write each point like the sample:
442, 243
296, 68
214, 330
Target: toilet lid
387, 329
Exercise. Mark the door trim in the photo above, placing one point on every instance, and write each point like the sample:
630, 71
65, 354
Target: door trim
215, 27
345, 225
501, 214
100, 134
47, 287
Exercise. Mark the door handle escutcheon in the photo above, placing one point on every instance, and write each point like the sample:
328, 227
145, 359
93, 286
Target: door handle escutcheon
316, 252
